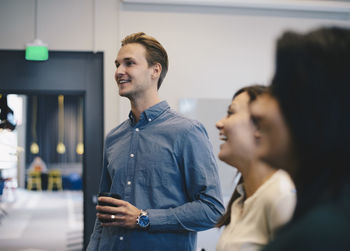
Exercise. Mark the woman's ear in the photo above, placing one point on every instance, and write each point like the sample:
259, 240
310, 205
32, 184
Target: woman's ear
257, 136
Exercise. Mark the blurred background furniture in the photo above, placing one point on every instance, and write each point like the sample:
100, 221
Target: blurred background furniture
34, 180
54, 180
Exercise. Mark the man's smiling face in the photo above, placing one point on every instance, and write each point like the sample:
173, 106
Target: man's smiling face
133, 74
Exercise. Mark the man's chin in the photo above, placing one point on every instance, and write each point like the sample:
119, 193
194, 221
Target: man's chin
124, 94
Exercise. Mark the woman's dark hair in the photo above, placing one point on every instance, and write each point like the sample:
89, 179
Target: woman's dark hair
253, 92
312, 85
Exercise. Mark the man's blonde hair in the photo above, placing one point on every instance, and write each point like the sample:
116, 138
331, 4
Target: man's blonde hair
155, 52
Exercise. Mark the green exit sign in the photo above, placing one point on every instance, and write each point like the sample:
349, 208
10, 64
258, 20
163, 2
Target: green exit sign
37, 51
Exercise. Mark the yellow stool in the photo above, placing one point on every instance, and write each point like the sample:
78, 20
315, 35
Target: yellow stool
55, 179
34, 180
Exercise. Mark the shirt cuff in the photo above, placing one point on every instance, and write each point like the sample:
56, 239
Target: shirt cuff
163, 219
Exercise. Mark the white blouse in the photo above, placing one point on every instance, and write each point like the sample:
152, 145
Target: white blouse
254, 220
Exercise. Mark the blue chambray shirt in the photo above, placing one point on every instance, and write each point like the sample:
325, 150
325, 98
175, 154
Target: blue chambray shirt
163, 164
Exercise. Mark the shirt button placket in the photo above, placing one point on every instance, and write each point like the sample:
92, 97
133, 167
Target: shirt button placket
129, 187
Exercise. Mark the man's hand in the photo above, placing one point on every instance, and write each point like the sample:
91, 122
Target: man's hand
122, 214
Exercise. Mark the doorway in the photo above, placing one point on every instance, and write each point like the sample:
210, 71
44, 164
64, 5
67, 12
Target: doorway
66, 73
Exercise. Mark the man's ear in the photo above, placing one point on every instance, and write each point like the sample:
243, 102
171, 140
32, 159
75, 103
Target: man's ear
157, 70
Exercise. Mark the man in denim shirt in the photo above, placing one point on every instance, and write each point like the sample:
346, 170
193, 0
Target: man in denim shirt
159, 162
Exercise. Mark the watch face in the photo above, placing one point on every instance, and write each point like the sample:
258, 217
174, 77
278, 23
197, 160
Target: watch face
143, 221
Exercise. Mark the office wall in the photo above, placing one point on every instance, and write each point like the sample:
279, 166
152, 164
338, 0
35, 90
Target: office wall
213, 50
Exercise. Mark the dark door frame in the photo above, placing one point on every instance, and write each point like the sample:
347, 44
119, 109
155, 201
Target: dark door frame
77, 73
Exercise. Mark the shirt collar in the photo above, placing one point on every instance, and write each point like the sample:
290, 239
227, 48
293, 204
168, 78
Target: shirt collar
240, 190
150, 114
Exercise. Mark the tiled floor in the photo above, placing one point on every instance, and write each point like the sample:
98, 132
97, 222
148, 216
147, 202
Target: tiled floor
53, 221
41, 221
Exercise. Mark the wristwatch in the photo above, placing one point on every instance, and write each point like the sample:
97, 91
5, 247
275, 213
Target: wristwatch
143, 220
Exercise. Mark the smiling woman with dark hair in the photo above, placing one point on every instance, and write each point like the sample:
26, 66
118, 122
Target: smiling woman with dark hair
265, 199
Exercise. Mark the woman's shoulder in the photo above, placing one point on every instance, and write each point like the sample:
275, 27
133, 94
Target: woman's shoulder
330, 217
279, 186
326, 227
279, 200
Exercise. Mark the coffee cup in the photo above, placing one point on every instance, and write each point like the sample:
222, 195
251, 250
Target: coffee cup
100, 203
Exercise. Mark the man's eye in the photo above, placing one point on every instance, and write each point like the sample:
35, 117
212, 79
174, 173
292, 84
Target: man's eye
229, 113
129, 63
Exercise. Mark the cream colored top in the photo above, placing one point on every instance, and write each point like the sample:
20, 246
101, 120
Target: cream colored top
254, 220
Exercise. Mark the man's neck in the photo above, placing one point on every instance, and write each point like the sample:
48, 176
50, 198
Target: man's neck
139, 105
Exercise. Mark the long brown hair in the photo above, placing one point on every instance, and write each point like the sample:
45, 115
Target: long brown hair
253, 92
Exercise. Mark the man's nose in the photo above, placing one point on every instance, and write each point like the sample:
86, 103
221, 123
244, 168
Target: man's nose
120, 70
118, 75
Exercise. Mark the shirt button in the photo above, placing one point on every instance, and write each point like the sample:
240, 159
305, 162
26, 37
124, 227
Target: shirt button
149, 120
132, 155
121, 238
137, 129
129, 182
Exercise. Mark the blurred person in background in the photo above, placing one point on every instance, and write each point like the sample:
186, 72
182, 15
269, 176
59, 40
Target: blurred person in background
304, 129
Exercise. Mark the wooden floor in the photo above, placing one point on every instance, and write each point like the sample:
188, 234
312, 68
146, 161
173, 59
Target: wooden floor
41, 221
